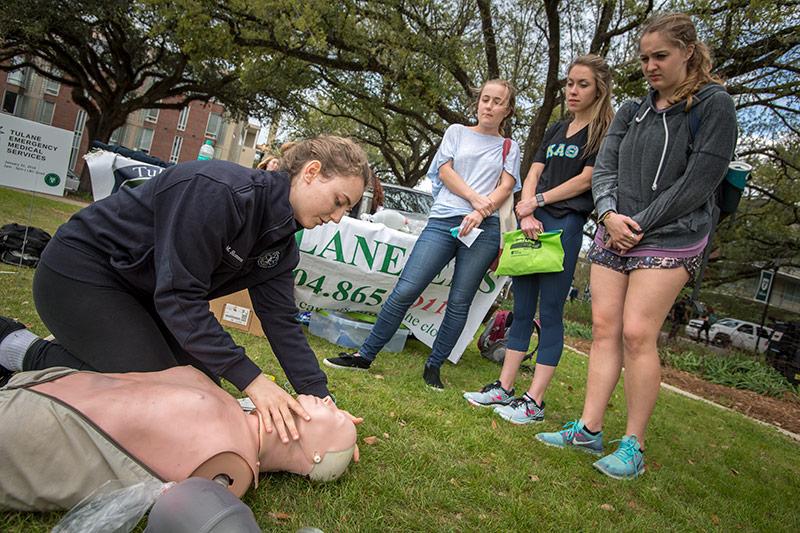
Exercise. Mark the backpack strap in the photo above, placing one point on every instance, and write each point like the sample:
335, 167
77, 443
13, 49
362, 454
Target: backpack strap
506, 149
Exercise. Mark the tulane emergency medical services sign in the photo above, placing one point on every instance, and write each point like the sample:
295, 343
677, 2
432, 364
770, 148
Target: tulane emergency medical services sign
33, 156
353, 266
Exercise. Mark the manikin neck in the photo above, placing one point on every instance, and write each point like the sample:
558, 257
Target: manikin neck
274, 455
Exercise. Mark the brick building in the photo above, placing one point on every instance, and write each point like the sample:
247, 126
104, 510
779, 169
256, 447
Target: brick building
173, 135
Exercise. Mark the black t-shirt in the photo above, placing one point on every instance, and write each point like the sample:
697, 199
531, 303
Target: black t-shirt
564, 158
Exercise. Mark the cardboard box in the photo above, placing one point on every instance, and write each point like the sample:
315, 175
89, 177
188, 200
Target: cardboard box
236, 311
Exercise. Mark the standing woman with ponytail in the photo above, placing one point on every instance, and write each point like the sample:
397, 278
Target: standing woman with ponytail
653, 187
556, 196
471, 179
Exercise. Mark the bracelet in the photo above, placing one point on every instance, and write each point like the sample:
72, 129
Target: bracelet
540, 199
602, 219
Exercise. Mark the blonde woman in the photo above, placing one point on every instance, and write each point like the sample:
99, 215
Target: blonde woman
467, 193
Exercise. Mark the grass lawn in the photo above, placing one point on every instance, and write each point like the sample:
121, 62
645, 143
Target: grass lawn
441, 465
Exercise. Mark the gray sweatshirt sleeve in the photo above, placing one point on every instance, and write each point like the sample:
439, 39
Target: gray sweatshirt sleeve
604, 176
713, 149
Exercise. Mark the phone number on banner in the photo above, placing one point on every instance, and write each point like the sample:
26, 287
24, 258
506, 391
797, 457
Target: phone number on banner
346, 291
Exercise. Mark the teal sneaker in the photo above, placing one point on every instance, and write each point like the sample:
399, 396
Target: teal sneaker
490, 395
574, 435
625, 463
522, 410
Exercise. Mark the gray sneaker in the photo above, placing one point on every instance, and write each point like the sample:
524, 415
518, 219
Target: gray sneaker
489, 395
522, 410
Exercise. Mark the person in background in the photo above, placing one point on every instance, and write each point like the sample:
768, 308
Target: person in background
653, 186
124, 285
471, 179
556, 196
269, 163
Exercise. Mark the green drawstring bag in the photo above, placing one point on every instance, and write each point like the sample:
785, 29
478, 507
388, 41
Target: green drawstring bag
522, 255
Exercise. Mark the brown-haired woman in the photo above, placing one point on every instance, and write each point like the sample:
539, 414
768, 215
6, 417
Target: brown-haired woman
556, 196
653, 187
124, 285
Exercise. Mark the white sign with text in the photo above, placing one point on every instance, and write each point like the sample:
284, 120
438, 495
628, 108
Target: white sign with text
353, 266
33, 156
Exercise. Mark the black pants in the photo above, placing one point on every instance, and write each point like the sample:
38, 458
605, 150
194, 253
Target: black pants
104, 328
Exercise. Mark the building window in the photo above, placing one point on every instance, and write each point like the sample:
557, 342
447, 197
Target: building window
214, 125
144, 139
175, 154
14, 103
19, 76
44, 112
77, 137
151, 115
118, 136
183, 118
51, 86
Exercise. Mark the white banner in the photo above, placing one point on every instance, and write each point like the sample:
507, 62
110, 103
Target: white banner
33, 156
110, 171
353, 266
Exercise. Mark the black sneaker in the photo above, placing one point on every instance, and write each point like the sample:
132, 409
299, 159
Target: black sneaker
431, 377
348, 361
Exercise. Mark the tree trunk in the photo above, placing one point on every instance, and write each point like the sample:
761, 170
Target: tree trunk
539, 126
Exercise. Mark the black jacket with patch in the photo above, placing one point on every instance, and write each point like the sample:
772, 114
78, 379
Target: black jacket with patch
197, 231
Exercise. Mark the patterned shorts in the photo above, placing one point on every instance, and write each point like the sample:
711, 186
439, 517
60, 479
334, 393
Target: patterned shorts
625, 265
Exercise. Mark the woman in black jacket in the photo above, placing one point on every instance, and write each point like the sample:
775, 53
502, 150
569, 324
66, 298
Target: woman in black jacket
124, 285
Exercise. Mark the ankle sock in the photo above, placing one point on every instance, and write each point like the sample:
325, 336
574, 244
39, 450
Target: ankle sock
530, 399
14, 347
592, 433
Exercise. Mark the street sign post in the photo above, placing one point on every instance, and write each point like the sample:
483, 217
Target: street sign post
764, 286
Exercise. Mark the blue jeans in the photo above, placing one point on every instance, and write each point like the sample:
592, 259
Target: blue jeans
553, 289
434, 248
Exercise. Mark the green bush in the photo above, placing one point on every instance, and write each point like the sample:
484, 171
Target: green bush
578, 311
737, 370
576, 329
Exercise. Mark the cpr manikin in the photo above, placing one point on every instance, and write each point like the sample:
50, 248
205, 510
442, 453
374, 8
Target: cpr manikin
63, 433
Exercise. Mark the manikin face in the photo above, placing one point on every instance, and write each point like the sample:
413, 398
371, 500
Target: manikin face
317, 199
581, 89
493, 106
325, 447
663, 63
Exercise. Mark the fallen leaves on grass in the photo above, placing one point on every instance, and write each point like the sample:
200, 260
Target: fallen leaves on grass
280, 516
607, 507
533, 477
734, 472
386, 436
378, 376
715, 519
372, 439
494, 424
632, 504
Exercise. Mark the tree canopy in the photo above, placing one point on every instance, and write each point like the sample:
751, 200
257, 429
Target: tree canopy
115, 56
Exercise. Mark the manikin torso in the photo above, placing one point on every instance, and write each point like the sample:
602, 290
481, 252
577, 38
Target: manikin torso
179, 424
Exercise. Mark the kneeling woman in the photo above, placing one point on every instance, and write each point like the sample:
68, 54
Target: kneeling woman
132, 275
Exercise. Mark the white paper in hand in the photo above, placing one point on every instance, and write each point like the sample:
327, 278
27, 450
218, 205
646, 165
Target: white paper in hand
467, 239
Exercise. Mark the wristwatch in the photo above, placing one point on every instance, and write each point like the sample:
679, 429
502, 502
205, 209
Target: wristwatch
540, 199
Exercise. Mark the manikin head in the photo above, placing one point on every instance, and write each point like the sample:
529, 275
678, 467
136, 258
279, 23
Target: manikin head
324, 450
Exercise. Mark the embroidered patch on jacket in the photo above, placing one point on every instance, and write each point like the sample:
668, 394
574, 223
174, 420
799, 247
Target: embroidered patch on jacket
269, 259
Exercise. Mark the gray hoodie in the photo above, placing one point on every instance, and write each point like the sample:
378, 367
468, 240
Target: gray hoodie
651, 169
